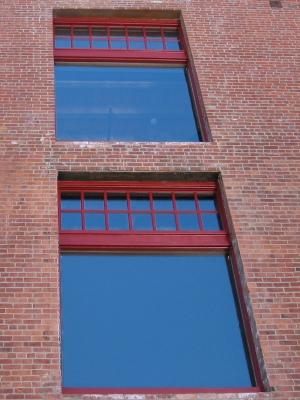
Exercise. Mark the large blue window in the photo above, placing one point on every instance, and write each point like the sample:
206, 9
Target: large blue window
124, 103
151, 321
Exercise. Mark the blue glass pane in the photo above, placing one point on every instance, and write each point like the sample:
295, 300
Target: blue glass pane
93, 201
165, 222
142, 222
188, 222
100, 44
207, 203
155, 45
117, 202
150, 321
118, 222
172, 45
126, 103
81, 43
71, 221
185, 203
94, 221
141, 202
62, 43
211, 222
137, 45
118, 44
70, 201
163, 203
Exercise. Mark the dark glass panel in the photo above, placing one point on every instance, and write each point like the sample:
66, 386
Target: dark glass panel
71, 221
135, 33
165, 222
188, 222
142, 222
117, 33
185, 202
62, 38
153, 33
70, 201
211, 222
94, 221
171, 33
207, 204
81, 38
123, 103
118, 222
150, 321
163, 202
154, 39
117, 202
140, 202
93, 201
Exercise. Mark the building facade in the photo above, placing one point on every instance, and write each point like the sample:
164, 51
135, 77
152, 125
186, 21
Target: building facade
226, 184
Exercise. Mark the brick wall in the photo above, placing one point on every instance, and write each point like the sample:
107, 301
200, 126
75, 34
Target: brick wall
245, 55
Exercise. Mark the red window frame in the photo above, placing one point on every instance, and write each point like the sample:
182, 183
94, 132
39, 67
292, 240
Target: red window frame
162, 57
159, 241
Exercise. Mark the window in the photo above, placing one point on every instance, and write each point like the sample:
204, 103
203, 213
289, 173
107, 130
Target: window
123, 80
150, 298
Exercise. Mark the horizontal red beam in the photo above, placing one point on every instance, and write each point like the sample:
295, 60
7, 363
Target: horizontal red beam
66, 21
160, 56
158, 390
127, 186
151, 241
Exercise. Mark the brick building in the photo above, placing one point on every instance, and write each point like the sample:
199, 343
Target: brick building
240, 92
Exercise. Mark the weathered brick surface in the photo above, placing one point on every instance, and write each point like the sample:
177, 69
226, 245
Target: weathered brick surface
247, 59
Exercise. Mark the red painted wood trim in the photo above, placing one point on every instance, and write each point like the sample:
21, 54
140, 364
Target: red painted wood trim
158, 390
153, 241
141, 186
139, 22
110, 55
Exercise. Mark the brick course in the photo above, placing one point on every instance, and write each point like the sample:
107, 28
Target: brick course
246, 55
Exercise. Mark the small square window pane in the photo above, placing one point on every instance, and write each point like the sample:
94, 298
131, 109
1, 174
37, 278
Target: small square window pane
100, 43
207, 204
70, 201
93, 201
99, 33
95, 221
173, 45
62, 38
117, 202
71, 221
171, 33
165, 222
188, 222
140, 202
117, 32
81, 38
136, 44
136, 33
155, 45
163, 202
118, 44
211, 222
142, 222
154, 33
185, 203
118, 222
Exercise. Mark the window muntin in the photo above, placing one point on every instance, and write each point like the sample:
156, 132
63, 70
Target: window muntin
131, 103
147, 321
133, 211
117, 37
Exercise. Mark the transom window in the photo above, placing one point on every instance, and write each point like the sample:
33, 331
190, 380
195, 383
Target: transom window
140, 211
124, 80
